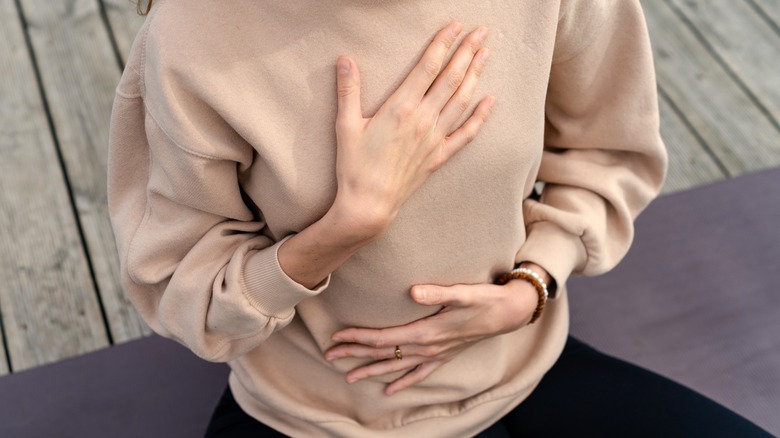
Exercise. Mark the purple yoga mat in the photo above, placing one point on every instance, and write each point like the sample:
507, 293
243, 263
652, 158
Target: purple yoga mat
152, 387
697, 298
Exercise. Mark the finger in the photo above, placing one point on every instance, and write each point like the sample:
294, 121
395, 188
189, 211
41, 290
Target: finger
429, 331
415, 376
461, 100
428, 68
379, 338
383, 367
468, 131
431, 295
448, 82
430, 350
358, 350
348, 89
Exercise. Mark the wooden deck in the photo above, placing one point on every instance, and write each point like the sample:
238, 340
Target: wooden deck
717, 64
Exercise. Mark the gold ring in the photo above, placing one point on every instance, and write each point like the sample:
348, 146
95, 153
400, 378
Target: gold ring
398, 354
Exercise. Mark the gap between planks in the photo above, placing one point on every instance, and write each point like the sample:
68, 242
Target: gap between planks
717, 109
47, 295
79, 73
769, 10
741, 43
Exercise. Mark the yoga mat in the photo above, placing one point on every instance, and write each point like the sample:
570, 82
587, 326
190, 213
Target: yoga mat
697, 298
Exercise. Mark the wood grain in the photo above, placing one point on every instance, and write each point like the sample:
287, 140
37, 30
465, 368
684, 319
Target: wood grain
720, 112
125, 23
49, 306
744, 42
79, 74
690, 165
770, 10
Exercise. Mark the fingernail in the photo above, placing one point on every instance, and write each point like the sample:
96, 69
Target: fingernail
352, 379
343, 66
483, 33
456, 29
491, 102
484, 55
420, 295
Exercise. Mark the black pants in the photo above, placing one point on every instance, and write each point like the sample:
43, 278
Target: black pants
585, 394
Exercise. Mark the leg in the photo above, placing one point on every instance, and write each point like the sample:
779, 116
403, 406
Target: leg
588, 393
230, 421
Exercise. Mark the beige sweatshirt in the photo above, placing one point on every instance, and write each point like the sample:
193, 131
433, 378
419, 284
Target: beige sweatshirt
223, 144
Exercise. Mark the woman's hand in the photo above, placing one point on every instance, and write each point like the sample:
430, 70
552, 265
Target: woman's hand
471, 313
382, 160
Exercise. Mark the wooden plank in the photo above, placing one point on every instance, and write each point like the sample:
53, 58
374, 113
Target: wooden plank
742, 40
736, 131
690, 164
50, 310
79, 74
125, 23
770, 10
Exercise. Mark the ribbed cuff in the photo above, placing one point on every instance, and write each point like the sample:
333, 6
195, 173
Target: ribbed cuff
554, 249
269, 288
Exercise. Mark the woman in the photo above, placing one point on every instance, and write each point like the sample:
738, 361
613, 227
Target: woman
348, 279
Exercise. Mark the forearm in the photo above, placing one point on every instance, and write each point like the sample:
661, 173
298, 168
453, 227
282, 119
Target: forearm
311, 255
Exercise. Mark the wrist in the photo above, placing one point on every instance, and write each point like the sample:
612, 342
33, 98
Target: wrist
524, 301
543, 274
355, 221
532, 277
311, 255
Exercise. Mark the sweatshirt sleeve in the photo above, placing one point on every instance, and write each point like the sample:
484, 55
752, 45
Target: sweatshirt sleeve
603, 158
196, 258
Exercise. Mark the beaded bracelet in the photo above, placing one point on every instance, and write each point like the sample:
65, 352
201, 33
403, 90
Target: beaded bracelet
533, 278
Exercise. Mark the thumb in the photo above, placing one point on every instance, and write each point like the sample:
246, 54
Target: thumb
431, 295
348, 88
